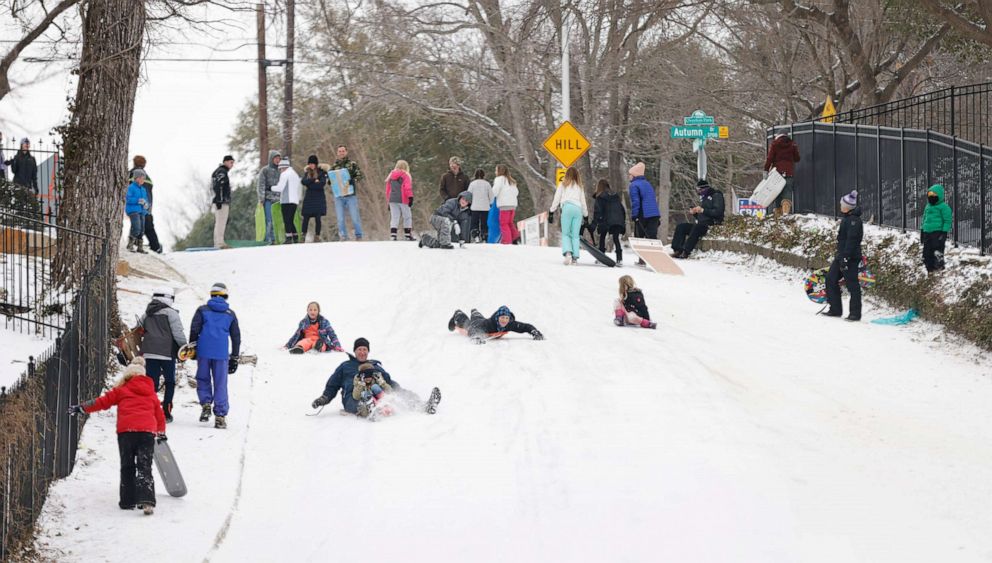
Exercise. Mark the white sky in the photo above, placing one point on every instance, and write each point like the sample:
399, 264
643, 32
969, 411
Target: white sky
184, 111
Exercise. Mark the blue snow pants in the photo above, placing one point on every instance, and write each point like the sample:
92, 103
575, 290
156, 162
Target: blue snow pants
211, 384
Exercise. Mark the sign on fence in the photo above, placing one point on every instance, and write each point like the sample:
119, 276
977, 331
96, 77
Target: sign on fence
745, 206
534, 230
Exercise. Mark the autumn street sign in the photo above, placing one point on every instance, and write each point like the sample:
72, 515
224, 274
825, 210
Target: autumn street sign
700, 132
566, 144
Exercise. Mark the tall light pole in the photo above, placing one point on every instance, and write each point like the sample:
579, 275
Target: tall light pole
566, 94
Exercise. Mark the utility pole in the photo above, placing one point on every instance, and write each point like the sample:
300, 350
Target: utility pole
566, 93
263, 102
287, 115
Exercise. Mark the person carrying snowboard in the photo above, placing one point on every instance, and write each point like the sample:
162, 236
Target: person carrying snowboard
213, 324
570, 196
139, 420
161, 342
343, 380
313, 333
630, 308
609, 217
481, 329
453, 214
848, 260
937, 222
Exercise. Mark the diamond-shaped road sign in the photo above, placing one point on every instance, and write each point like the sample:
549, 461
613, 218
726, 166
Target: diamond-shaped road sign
566, 144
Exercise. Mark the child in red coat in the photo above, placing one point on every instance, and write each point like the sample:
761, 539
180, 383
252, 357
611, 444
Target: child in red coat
139, 419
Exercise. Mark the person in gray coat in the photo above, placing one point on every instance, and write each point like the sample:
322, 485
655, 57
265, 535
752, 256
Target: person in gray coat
161, 342
268, 178
453, 214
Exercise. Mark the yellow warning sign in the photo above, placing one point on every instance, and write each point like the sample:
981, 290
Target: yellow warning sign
829, 111
559, 175
566, 144
724, 132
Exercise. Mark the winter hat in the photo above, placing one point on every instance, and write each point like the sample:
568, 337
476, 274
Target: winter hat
503, 311
139, 173
136, 367
25, 141
312, 159
637, 170
228, 157
850, 200
284, 163
361, 342
366, 370
467, 195
218, 289
139, 161
165, 295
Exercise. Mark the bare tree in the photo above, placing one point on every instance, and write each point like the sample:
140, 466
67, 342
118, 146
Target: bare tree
33, 30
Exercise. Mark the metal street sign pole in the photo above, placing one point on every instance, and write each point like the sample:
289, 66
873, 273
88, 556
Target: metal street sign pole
566, 94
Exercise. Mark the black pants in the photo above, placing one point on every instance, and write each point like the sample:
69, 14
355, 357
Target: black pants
306, 222
153, 242
288, 219
647, 228
157, 369
480, 225
933, 250
615, 232
850, 275
137, 483
687, 235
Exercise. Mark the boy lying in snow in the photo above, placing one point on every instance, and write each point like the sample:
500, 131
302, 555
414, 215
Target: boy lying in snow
480, 329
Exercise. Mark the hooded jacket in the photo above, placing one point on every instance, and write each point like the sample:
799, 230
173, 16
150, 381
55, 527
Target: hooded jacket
268, 177
314, 200
608, 211
453, 210
713, 206
212, 325
328, 339
783, 154
135, 194
163, 330
849, 235
480, 326
138, 407
405, 185
937, 218
288, 186
643, 201
343, 380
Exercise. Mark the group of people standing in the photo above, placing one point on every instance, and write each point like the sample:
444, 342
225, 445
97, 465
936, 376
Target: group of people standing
138, 208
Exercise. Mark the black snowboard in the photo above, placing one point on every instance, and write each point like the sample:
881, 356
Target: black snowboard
599, 256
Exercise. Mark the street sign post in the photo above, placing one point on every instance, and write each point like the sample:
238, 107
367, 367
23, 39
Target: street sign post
700, 132
699, 127
567, 144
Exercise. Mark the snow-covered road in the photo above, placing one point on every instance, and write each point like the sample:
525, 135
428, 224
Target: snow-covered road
744, 429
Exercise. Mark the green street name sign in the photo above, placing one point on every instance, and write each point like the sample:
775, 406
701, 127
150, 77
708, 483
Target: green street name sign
699, 117
699, 132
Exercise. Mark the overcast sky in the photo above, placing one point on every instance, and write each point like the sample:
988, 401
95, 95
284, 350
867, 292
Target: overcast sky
184, 111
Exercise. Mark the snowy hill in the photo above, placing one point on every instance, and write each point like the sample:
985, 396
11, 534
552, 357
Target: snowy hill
744, 429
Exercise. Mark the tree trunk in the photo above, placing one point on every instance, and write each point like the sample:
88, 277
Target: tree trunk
96, 138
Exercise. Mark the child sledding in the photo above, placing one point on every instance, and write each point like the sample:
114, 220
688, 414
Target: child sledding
631, 309
313, 333
481, 329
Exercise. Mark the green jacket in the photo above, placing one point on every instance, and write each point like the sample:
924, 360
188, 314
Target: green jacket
937, 218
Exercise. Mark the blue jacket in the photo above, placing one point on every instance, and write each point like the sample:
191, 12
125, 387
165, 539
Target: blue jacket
343, 379
328, 340
643, 203
213, 324
134, 194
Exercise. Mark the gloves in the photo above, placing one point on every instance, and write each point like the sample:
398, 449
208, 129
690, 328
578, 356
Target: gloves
142, 202
537, 334
764, 175
219, 205
458, 229
161, 437
319, 402
232, 364
75, 409
411, 202
337, 349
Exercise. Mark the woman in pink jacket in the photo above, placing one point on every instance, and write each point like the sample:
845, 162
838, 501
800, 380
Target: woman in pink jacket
399, 194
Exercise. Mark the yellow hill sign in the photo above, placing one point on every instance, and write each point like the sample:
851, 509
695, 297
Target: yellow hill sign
566, 144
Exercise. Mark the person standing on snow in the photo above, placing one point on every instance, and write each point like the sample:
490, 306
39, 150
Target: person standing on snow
609, 217
454, 181
25, 167
221, 183
938, 219
136, 207
161, 343
505, 192
453, 214
268, 178
213, 324
149, 221
399, 196
139, 419
783, 154
848, 260
289, 198
314, 200
643, 204
482, 199
709, 212
571, 197
480, 329
348, 202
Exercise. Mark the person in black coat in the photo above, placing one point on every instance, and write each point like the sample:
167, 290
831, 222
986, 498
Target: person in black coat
25, 167
221, 184
847, 261
609, 217
314, 200
480, 328
709, 212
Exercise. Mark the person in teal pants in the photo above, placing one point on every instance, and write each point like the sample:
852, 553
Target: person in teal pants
571, 198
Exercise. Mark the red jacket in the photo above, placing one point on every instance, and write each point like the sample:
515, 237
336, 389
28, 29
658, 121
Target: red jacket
783, 154
138, 409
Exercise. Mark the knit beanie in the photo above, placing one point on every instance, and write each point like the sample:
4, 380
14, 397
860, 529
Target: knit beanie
25, 141
138, 173
312, 159
361, 342
136, 367
851, 199
366, 370
637, 169
284, 163
218, 289
466, 195
228, 157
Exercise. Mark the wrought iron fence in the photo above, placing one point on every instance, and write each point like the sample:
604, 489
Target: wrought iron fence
892, 168
38, 440
958, 111
30, 300
46, 183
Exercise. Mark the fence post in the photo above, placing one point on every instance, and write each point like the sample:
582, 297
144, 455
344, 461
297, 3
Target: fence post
812, 157
954, 133
929, 183
878, 172
902, 174
983, 214
856, 186
957, 214
834, 141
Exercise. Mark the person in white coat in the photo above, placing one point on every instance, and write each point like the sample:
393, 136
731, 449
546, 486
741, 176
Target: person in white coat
482, 199
571, 198
289, 188
505, 191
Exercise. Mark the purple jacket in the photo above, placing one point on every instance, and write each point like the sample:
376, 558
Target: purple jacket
328, 340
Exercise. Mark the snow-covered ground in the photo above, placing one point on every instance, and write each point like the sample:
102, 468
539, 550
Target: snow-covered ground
16, 348
744, 429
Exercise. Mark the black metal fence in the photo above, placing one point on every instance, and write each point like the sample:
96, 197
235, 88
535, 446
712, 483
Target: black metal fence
892, 168
958, 111
47, 181
30, 300
38, 439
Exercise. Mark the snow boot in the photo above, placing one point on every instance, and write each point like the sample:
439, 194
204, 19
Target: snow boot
148, 509
648, 324
392, 233
296, 350
620, 317
407, 235
130, 244
568, 258
139, 246
456, 319
205, 413
431, 406
220, 422
167, 409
